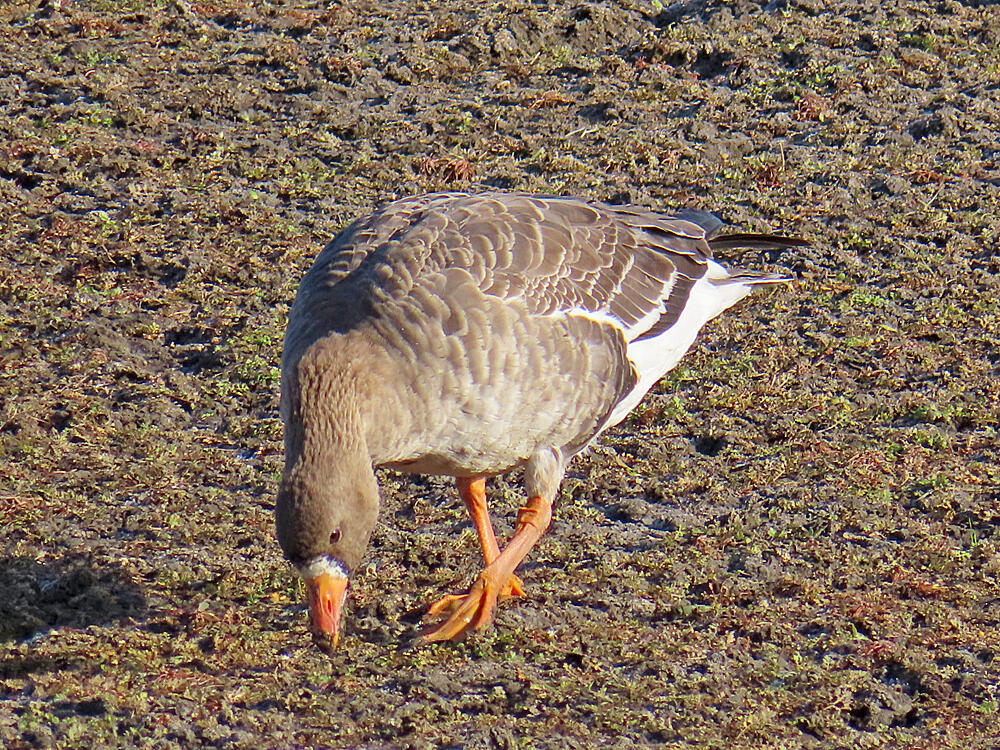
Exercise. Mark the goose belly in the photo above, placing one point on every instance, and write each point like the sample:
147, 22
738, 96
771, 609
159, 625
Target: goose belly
483, 397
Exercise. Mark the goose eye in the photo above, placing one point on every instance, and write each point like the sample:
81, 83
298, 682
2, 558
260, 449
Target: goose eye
335, 536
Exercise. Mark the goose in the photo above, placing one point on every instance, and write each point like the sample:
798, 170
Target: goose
467, 335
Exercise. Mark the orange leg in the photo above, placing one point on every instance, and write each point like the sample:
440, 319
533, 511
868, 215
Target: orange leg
473, 492
475, 609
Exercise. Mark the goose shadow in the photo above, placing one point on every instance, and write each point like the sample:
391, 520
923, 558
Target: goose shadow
68, 592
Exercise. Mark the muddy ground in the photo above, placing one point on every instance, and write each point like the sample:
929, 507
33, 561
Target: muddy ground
793, 542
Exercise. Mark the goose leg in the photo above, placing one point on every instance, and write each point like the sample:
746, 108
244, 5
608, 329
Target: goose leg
473, 492
475, 609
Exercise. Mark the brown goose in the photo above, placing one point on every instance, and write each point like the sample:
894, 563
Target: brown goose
467, 335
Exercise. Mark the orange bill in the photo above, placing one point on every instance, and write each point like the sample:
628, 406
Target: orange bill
327, 594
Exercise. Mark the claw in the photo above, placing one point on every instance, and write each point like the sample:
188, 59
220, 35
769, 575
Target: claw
445, 604
472, 611
450, 603
513, 587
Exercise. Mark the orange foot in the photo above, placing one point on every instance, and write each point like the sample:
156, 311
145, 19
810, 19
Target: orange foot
473, 610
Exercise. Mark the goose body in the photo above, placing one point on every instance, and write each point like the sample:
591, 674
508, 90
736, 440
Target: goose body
468, 335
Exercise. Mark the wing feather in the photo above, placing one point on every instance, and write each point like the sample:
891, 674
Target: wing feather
559, 255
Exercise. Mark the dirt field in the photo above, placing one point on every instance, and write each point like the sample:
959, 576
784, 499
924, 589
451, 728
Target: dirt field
793, 542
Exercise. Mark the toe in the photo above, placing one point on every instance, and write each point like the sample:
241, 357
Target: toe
475, 611
445, 604
514, 587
